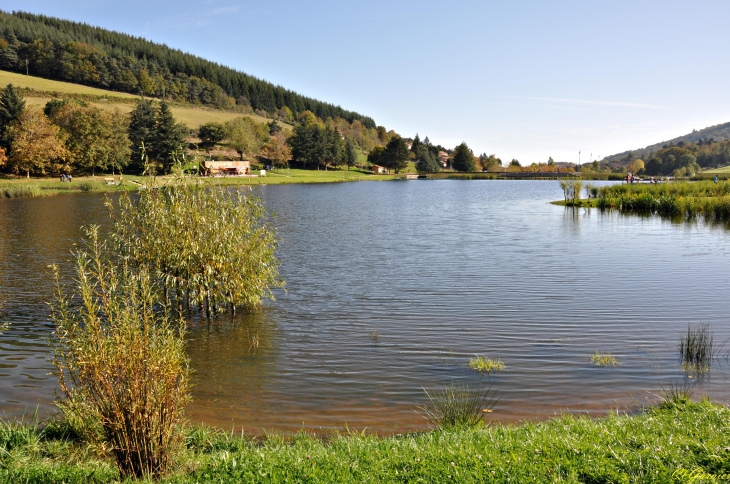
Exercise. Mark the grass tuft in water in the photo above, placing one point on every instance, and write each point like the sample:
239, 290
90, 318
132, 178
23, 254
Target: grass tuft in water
482, 364
603, 359
458, 405
375, 337
696, 348
676, 395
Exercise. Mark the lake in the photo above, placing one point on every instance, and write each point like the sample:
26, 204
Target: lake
392, 287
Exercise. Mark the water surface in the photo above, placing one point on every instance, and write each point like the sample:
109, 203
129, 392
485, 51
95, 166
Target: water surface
440, 271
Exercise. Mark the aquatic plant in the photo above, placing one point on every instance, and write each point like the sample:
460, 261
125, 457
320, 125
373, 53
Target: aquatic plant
20, 191
695, 348
571, 191
677, 394
205, 245
120, 360
458, 405
375, 337
485, 365
685, 199
603, 359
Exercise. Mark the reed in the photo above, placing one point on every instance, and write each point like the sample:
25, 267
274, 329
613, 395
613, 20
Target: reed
603, 359
483, 364
121, 364
695, 348
686, 199
458, 405
677, 394
20, 191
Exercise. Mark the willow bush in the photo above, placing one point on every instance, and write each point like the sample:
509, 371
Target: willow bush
121, 363
207, 246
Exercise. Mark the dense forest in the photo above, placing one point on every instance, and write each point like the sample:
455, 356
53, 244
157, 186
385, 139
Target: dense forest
76, 52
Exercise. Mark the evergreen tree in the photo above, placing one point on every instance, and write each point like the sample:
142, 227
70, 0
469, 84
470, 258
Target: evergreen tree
463, 158
11, 105
426, 162
169, 137
142, 131
350, 153
416, 144
396, 154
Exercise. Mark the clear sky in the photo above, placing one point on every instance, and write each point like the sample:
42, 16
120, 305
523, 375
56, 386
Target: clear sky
522, 79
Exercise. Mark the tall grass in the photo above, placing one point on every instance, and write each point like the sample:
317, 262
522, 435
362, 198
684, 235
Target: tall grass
696, 348
687, 199
458, 405
20, 191
121, 363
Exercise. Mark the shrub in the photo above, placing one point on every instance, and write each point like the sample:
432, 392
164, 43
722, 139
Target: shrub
121, 363
205, 245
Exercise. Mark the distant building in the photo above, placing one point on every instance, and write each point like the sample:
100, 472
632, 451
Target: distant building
409, 144
443, 158
379, 170
228, 168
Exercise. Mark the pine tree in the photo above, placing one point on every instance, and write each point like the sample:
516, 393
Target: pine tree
11, 105
142, 131
169, 137
463, 158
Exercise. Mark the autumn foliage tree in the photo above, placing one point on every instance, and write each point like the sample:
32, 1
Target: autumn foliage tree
34, 143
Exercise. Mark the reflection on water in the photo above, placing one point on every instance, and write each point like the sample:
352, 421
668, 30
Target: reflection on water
442, 271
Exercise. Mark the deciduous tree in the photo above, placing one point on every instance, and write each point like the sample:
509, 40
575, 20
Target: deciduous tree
34, 142
211, 134
246, 136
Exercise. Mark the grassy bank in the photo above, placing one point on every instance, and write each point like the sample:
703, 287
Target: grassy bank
659, 445
34, 187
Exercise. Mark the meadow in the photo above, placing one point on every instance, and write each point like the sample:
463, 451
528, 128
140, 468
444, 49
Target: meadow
40, 91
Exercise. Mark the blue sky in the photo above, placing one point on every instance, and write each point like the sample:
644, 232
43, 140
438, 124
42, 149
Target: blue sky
521, 79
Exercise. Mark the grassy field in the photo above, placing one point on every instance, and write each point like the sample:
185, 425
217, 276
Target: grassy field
192, 116
663, 444
30, 187
718, 171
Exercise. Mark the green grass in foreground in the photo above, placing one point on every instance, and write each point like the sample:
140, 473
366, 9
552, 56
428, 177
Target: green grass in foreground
657, 446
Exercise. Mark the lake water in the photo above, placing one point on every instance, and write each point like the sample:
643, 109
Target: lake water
440, 270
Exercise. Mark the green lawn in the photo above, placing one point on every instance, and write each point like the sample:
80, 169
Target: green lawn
663, 444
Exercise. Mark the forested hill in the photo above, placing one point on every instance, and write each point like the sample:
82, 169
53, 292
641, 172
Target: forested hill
76, 52
719, 132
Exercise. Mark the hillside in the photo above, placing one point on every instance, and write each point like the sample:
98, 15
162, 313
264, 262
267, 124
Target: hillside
75, 52
719, 132
39, 91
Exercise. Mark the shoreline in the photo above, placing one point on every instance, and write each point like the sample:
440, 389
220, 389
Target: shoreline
671, 440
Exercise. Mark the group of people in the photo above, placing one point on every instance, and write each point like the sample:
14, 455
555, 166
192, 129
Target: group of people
67, 178
630, 177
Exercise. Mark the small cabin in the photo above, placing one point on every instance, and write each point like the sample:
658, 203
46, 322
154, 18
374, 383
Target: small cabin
379, 170
226, 168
